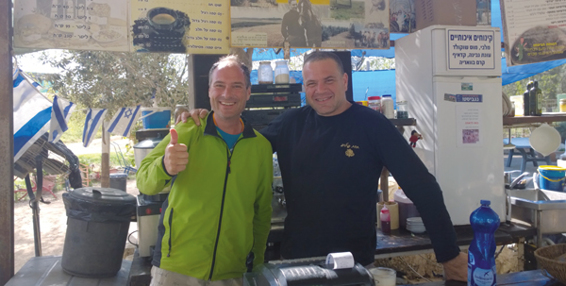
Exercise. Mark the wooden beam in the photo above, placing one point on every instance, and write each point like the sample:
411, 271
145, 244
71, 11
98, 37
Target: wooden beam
6, 145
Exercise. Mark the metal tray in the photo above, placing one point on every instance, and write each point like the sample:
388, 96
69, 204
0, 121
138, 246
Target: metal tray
543, 209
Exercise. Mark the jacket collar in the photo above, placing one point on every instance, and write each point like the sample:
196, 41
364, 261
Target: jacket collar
210, 128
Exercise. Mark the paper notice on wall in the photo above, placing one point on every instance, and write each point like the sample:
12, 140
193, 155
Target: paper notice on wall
71, 24
533, 30
179, 26
469, 125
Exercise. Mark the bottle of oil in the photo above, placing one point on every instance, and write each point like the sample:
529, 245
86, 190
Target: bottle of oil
533, 99
538, 94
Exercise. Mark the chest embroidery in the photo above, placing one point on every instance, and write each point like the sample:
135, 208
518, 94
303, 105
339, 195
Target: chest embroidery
349, 149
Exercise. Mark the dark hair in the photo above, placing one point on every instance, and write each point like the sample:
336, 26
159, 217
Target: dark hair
232, 59
319, 56
413, 132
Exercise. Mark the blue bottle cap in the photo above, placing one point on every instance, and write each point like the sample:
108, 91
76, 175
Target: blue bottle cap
485, 202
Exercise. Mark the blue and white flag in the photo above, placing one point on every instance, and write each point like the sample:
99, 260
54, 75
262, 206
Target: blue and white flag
60, 114
24, 88
32, 113
94, 118
123, 120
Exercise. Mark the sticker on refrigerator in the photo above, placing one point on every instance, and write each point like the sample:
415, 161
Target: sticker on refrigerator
469, 126
467, 86
470, 98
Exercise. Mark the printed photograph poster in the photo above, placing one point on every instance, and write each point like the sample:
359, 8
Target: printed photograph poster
534, 30
344, 24
71, 24
402, 16
180, 26
469, 125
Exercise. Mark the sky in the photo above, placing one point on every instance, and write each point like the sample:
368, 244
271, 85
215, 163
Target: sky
30, 62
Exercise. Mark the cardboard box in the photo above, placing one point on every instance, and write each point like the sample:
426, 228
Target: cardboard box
445, 12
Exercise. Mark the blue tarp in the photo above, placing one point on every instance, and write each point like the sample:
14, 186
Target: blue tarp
386, 79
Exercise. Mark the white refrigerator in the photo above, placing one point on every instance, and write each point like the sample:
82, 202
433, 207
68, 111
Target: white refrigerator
451, 78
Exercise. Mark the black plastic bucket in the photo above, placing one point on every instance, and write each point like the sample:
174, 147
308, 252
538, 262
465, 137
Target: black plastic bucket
97, 228
119, 181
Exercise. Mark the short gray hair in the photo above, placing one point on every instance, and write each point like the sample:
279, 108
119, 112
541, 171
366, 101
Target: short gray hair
231, 60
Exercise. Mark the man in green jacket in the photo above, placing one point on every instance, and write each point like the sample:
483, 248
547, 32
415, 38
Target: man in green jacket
215, 222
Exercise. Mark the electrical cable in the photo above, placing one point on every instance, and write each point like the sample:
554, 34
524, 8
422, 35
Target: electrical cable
136, 245
500, 250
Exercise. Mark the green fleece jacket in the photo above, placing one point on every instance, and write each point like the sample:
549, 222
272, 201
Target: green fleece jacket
219, 208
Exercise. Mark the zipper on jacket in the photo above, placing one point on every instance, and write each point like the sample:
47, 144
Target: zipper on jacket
229, 156
170, 227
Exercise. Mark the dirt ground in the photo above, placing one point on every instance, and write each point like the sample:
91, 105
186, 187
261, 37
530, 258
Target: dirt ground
53, 225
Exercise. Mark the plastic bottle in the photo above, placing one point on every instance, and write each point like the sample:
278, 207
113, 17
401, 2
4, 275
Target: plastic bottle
385, 219
481, 259
526, 101
387, 106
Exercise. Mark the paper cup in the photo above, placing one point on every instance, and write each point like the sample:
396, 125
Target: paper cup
383, 276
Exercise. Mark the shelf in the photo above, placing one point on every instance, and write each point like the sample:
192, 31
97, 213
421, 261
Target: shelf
409, 122
545, 118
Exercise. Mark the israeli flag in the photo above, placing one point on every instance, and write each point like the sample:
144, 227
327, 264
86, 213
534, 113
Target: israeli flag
123, 120
32, 113
60, 114
94, 118
24, 88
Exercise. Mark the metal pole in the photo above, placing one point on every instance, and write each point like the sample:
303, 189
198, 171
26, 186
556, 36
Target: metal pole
6, 145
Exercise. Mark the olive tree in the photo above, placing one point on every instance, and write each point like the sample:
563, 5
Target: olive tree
111, 80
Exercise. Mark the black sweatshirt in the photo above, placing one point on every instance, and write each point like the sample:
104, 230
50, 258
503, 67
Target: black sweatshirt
331, 167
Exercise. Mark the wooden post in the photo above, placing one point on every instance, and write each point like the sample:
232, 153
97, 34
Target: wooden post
6, 145
105, 159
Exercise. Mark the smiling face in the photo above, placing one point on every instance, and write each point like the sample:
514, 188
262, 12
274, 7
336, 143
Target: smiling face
325, 87
228, 91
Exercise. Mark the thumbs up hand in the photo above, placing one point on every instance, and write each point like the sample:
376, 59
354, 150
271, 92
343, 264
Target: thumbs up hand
176, 155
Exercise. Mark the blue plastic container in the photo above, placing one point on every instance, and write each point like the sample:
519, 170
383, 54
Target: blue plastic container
156, 119
481, 254
551, 178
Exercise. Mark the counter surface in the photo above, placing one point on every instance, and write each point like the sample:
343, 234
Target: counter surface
394, 244
525, 278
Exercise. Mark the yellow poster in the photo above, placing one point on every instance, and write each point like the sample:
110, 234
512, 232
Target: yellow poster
180, 26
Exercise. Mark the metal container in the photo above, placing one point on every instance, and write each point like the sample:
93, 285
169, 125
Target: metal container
545, 210
143, 148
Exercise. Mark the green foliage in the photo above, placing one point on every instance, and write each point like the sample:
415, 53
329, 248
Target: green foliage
113, 80
550, 82
115, 159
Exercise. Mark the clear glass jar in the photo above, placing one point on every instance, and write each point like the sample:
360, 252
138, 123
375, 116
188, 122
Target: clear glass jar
402, 110
374, 102
265, 73
281, 72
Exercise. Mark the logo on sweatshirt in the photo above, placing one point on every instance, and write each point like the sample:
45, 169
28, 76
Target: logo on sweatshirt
349, 152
